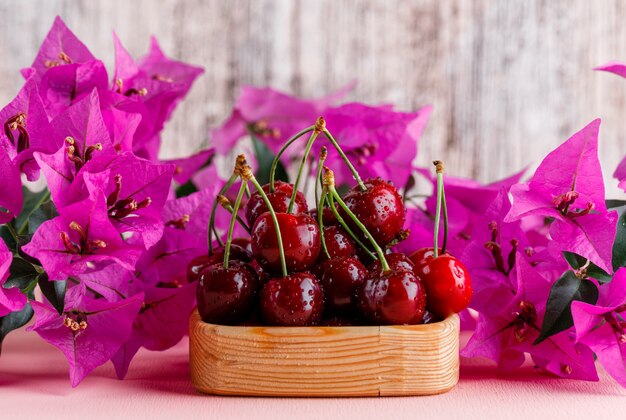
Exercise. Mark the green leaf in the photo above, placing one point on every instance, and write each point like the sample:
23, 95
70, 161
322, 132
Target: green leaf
32, 201
7, 237
265, 157
54, 291
619, 246
13, 321
186, 189
22, 275
41, 214
576, 262
558, 315
611, 204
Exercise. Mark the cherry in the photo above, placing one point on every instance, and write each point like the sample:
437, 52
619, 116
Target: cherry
244, 243
301, 241
379, 208
199, 263
293, 300
396, 261
328, 217
393, 298
226, 295
279, 199
420, 256
447, 282
340, 281
338, 243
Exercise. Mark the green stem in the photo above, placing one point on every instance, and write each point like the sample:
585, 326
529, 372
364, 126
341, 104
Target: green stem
318, 172
437, 214
211, 229
248, 191
218, 238
344, 225
355, 174
241, 222
231, 228
282, 150
12, 231
444, 208
320, 222
303, 162
279, 239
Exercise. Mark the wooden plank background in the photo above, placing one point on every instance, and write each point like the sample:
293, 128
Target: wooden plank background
509, 80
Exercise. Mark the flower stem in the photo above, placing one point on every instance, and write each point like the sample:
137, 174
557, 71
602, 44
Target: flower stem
231, 228
303, 162
211, 229
329, 183
344, 225
439, 165
282, 150
250, 176
355, 174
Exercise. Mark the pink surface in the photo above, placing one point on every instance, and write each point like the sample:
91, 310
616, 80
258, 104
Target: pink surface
34, 384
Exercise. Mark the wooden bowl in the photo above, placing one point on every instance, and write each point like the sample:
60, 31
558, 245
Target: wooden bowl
324, 361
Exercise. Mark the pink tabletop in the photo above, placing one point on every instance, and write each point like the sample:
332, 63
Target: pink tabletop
34, 384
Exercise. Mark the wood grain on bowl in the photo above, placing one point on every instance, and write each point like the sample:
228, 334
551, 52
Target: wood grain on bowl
324, 361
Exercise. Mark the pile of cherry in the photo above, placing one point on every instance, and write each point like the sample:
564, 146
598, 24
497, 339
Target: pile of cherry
330, 265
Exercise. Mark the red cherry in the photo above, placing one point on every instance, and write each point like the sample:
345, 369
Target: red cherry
245, 243
199, 263
279, 199
293, 300
420, 256
226, 295
338, 243
448, 284
396, 261
379, 208
301, 241
393, 298
328, 217
340, 281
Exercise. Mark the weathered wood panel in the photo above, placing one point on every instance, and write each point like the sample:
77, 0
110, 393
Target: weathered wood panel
509, 80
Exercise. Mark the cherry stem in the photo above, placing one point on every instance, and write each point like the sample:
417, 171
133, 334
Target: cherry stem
439, 165
217, 237
355, 174
225, 188
318, 172
282, 150
231, 228
344, 225
226, 204
444, 208
320, 222
303, 162
279, 239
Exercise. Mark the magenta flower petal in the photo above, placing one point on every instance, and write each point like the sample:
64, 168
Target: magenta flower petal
80, 235
60, 47
620, 174
11, 299
614, 67
89, 332
10, 189
187, 167
568, 187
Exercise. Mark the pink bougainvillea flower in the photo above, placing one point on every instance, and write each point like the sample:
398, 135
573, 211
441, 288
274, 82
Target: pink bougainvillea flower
80, 235
189, 166
379, 141
80, 136
26, 129
10, 189
166, 262
158, 82
614, 67
508, 331
602, 326
89, 331
135, 191
59, 48
272, 116
122, 116
620, 174
162, 322
568, 187
11, 299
